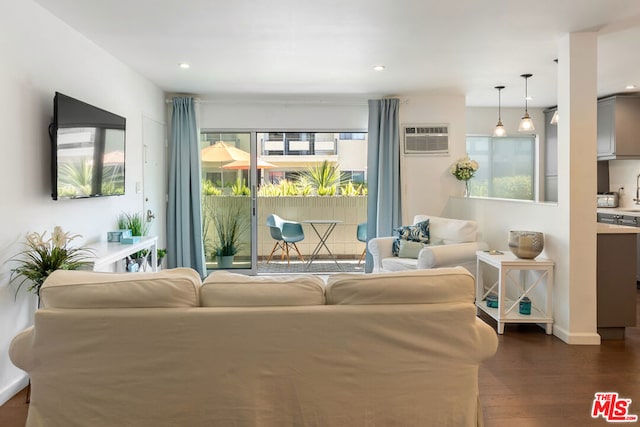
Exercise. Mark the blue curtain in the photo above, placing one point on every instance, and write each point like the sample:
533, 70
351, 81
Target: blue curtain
383, 171
184, 212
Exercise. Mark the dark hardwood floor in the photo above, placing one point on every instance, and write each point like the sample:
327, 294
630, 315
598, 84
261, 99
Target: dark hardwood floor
537, 380
533, 380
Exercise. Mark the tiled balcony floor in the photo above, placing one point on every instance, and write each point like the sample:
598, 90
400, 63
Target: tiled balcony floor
321, 266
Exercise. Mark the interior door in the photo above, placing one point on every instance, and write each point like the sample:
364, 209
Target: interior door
154, 142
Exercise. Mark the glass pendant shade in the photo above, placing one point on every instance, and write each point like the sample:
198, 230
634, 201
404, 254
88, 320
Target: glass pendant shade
526, 124
499, 130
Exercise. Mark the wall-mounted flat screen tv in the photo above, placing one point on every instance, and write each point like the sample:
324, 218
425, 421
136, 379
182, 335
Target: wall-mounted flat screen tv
88, 150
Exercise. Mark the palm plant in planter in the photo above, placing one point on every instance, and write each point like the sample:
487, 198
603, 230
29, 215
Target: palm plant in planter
229, 224
43, 256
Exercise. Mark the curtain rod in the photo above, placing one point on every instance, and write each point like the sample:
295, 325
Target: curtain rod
283, 101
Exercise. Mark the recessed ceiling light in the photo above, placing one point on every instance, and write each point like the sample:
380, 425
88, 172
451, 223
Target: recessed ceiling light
378, 67
630, 87
184, 65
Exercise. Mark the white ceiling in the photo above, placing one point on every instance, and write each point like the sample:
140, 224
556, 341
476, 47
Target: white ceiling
321, 49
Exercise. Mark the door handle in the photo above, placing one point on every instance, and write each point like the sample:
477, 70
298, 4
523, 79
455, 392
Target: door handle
150, 215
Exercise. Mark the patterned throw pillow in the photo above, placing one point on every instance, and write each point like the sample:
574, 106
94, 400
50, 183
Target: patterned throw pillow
413, 233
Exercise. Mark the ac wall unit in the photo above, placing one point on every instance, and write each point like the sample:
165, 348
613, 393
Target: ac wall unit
426, 139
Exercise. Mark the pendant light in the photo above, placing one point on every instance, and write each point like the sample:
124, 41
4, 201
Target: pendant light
499, 130
526, 124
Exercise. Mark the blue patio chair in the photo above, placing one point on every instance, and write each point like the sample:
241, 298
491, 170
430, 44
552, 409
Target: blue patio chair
361, 235
286, 234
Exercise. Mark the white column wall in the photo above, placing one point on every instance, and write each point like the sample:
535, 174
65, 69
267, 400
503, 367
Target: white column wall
577, 95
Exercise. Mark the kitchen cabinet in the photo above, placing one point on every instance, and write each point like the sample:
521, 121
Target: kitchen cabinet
618, 132
616, 284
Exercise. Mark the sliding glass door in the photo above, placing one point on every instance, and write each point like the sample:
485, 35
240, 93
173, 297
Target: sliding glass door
228, 200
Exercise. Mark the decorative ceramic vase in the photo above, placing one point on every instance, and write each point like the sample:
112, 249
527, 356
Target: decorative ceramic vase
526, 244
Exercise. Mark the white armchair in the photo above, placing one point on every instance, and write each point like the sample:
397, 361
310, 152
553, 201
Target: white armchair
453, 243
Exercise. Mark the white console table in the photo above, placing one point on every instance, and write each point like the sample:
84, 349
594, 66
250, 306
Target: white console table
108, 253
521, 286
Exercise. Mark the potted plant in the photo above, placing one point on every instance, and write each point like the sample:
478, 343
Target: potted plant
160, 254
136, 222
43, 256
229, 224
138, 225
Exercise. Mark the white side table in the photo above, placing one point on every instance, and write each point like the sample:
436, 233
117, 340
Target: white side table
108, 253
514, 275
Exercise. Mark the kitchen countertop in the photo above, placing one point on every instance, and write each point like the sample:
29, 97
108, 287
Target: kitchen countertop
616, 229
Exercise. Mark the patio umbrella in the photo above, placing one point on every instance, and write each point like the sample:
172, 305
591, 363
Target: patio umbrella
244, 164
221, 152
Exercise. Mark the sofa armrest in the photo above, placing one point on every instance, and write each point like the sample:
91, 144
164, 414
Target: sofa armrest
487, 339
21, 349
449, 255
379, 248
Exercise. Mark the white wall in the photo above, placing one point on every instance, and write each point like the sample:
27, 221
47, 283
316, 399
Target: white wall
293, 114
426, 181
41, 55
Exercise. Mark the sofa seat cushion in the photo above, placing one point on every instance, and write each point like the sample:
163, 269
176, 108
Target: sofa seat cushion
433, 286
399, 264
178, 287
225, 289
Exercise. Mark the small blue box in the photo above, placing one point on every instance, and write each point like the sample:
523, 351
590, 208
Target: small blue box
130, 240
114, 236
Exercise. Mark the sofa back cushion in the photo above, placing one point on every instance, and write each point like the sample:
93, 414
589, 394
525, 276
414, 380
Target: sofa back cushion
448, 230
178, 287
432, 286
225, 289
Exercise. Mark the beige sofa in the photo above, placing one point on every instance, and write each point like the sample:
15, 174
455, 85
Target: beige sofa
453, 242
162, 349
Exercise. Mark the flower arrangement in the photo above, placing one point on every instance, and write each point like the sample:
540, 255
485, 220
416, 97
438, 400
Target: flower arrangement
43, 256
464, 168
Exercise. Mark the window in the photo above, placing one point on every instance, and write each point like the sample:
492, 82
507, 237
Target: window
357, 177
507, 166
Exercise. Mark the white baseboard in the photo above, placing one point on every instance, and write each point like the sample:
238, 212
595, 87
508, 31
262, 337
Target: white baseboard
12, 389
582, 338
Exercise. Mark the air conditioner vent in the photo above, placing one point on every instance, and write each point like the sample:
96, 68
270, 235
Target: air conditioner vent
426, 139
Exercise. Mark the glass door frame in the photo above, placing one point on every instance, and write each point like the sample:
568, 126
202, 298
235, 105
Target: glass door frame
252, 173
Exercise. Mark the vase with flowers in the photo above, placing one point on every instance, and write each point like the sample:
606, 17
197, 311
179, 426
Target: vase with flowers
463, 170
42, 256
